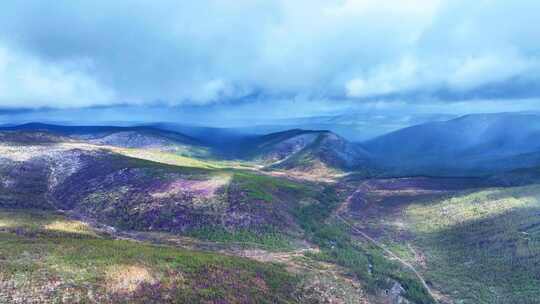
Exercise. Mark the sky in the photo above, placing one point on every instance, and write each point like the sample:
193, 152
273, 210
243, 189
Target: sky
220, 61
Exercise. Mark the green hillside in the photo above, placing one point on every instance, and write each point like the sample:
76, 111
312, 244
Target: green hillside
46, 258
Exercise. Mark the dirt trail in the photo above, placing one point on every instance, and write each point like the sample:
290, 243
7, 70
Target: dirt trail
392, 255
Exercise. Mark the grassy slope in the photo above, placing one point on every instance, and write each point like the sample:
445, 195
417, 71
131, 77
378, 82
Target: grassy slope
483, 246
166, 158
116, 188
311, 159
48, 259
261, 194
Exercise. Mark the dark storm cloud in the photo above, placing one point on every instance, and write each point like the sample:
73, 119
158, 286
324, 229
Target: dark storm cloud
102, 53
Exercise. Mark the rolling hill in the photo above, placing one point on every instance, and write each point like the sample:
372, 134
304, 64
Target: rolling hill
137, 189
310, 151
145, 137
306, 150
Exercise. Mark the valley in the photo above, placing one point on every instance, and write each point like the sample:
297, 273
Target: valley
474, 242
270, 152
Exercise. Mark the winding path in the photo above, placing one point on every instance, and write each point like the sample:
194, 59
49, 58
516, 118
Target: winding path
381, 246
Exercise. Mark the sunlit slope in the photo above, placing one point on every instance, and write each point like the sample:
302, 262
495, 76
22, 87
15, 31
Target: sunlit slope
482, 246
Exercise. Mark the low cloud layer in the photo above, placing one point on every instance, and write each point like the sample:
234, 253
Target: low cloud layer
97, 53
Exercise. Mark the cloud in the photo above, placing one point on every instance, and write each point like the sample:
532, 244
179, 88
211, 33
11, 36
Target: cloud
26, 81
386, 79
491, 68
87, 53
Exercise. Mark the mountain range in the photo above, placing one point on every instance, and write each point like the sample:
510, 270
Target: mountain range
469, 145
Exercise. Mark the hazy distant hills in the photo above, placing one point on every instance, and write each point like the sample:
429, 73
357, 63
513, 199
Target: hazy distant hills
303, 150
482, 142
207, 135
97, 131
476, 144
354, 126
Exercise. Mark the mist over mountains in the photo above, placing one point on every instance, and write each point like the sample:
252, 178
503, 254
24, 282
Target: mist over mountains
472, 143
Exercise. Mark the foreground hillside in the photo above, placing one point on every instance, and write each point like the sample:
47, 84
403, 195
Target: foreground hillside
487, 241
46, 258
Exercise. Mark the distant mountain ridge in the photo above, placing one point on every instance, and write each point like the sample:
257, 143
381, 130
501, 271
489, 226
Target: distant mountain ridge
85, 130
476, 144
482, 142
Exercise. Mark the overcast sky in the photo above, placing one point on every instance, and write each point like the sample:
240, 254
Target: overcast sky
301, 57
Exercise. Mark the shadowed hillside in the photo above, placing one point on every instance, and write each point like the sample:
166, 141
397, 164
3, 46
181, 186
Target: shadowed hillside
470, 145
